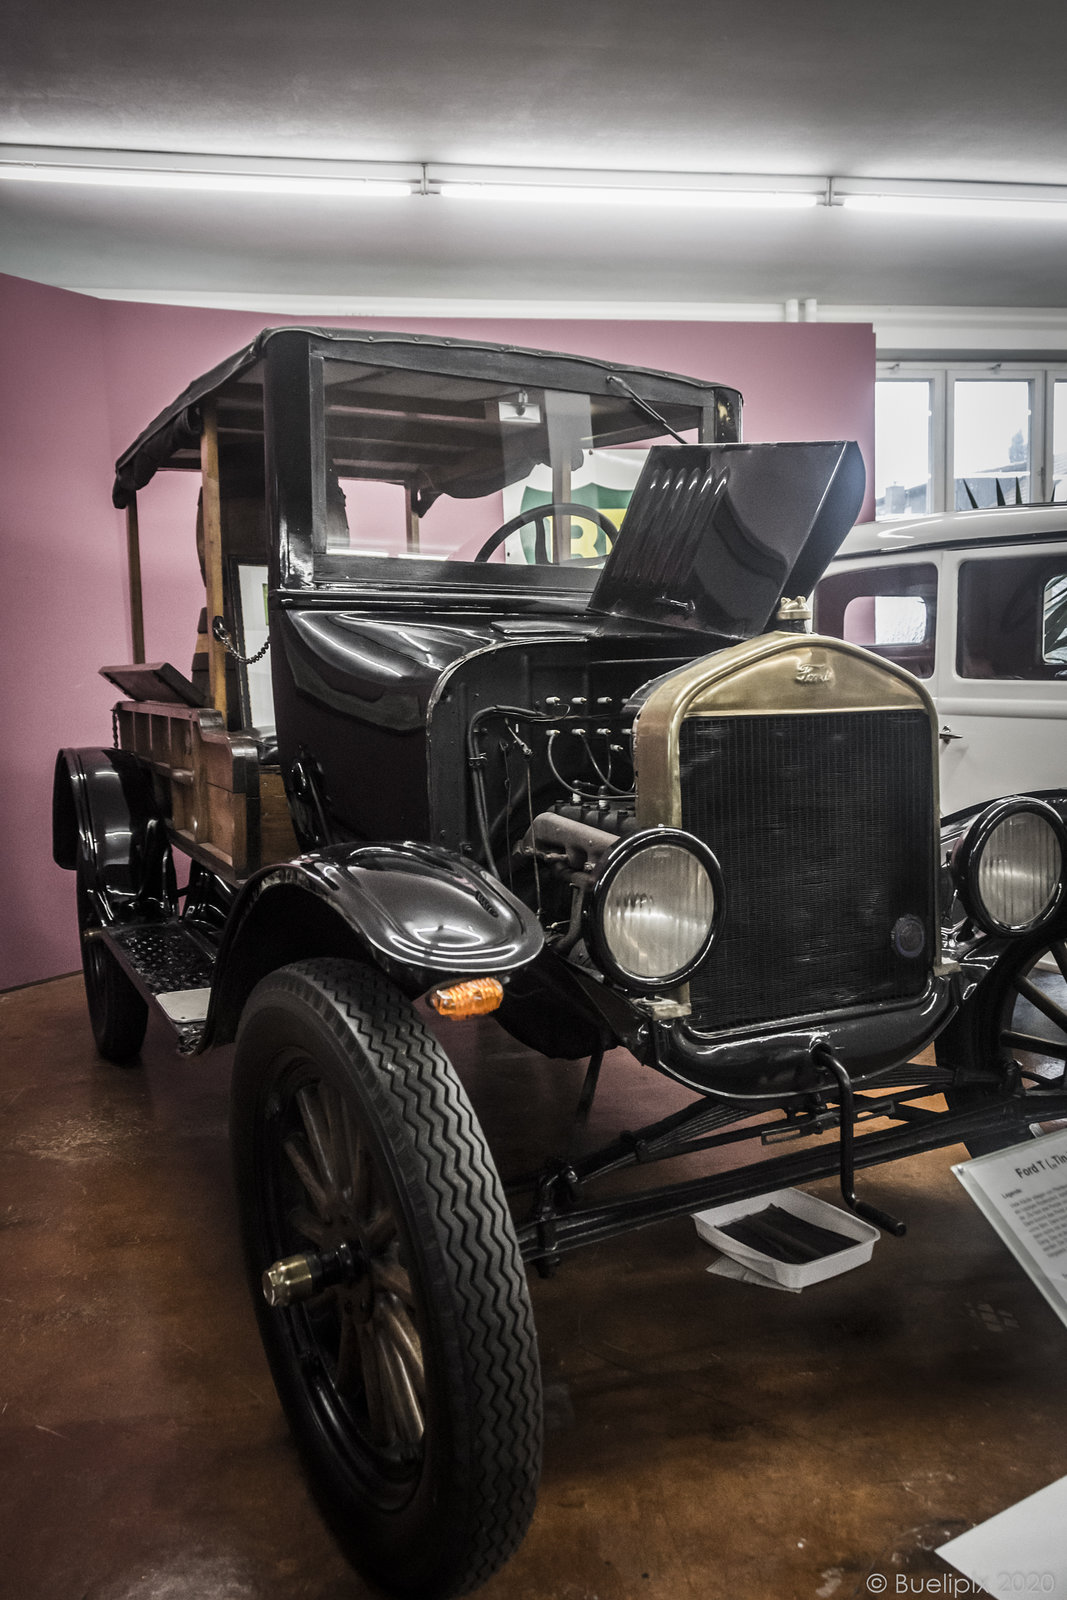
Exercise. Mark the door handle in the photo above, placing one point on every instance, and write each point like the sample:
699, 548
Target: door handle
946, 735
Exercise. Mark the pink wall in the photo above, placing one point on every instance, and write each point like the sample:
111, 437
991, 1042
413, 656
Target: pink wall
82, 377
61, 598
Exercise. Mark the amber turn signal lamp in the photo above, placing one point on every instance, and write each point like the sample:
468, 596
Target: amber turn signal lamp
474, 998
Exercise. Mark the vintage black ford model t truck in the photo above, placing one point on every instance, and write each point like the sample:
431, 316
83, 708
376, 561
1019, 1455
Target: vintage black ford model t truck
599, 782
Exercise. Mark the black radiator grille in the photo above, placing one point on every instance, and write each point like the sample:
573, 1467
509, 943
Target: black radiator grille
823, 826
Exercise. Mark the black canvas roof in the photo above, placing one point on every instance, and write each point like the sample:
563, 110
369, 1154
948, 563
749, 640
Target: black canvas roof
172, 438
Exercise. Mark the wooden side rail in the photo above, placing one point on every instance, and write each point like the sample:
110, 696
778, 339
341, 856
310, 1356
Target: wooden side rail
225, 809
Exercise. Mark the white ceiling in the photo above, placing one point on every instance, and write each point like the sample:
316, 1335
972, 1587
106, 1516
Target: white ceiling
913, 89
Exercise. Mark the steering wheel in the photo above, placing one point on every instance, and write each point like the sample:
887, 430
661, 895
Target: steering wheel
539, 515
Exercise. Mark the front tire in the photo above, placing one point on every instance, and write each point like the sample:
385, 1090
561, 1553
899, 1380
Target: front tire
409, 1371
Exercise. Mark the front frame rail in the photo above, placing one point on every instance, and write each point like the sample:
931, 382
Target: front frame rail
559, 1224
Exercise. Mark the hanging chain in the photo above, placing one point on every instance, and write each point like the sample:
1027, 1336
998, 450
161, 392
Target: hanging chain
220, 632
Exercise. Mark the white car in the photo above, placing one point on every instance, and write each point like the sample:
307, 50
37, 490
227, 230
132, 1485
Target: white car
975, 604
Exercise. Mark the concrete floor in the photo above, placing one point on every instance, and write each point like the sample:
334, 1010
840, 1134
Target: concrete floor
705, 1438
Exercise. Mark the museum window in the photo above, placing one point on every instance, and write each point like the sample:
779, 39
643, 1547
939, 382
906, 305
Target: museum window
903, 452
968, 436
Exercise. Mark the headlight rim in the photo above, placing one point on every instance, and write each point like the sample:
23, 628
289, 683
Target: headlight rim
612, 864
967, 855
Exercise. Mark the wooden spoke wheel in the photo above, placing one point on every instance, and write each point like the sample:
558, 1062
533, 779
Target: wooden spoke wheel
362, 1325
394, 1308
1017, 1022
1033, 1020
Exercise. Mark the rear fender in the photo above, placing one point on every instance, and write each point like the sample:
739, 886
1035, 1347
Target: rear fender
421, 914
105, 818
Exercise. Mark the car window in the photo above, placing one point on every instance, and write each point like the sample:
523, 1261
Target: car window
1013, 617
891, 610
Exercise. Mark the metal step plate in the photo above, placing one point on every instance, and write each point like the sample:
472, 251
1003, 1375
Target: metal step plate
185, 1005
171, 967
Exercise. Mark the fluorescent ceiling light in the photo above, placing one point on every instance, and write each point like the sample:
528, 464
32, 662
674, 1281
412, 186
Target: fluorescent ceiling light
948, 207
573, 194
226, 182
942, 200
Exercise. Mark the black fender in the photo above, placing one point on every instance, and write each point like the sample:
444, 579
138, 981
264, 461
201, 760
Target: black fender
422, 914
107, 823
566, 1013
956, 822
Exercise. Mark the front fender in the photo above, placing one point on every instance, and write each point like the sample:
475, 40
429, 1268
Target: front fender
420, 913
956, 822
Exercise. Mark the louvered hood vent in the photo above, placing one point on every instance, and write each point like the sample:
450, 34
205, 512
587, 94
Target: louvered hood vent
716, 534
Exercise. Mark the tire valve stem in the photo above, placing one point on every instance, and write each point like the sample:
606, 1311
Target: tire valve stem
288, 1281
300, 1277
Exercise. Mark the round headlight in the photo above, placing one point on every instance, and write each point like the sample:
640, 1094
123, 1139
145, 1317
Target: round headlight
1010, 866
656, 909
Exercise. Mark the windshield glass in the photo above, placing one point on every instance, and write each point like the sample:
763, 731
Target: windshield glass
422, 470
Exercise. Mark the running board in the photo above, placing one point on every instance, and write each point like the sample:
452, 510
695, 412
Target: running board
170, 966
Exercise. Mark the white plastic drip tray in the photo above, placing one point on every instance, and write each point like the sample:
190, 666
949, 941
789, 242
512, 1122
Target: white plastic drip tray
860, 1238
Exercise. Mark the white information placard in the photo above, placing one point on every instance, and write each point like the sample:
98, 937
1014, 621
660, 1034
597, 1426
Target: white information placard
1022, 1192
1020, 1551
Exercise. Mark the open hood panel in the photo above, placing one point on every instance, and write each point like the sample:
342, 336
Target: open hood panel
716, 534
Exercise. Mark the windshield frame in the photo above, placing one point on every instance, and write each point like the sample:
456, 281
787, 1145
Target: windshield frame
295, 419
